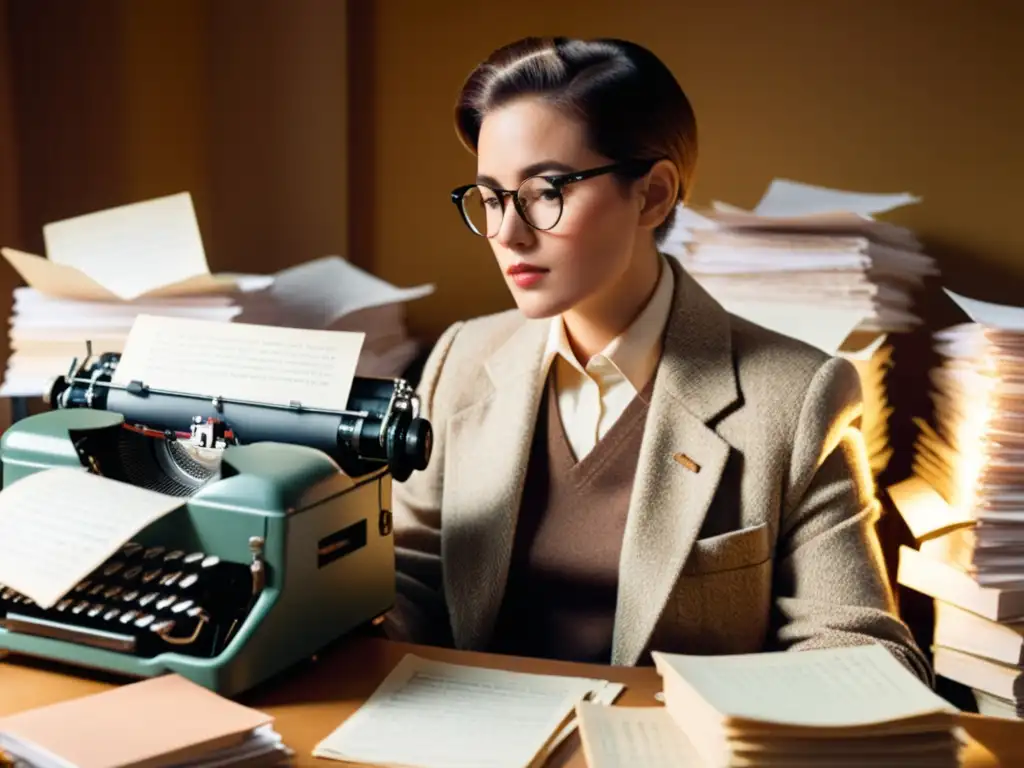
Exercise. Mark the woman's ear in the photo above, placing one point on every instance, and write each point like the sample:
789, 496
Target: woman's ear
659, 194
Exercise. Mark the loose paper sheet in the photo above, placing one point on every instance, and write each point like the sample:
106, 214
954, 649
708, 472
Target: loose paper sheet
58, 525
838, 687
1000, 316
785, 197
431, 714
924, 511
133, 248
319, 293
628, 737
261, 363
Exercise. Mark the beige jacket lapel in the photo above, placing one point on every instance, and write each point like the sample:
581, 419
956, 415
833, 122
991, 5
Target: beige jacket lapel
485, 469
680, 465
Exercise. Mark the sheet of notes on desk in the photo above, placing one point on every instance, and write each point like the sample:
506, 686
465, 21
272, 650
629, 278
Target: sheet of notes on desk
431, 714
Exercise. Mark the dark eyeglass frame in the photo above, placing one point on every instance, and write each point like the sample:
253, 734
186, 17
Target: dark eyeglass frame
633, 169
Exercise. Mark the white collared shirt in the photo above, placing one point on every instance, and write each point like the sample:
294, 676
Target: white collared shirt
591, 398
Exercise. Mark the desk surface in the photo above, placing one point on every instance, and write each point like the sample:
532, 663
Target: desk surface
311, 700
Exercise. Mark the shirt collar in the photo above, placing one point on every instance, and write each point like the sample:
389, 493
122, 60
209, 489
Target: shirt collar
636, 351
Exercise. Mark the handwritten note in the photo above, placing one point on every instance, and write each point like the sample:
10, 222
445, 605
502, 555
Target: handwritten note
838, 687
625, 737
431, 714
58, 525
262, 363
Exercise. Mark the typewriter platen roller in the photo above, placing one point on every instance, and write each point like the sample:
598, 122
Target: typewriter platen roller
282, 544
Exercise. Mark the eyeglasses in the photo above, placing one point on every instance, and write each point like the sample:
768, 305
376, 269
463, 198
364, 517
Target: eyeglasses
538, 200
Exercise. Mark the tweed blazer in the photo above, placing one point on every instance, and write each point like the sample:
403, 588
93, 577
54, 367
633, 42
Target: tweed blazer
751, 524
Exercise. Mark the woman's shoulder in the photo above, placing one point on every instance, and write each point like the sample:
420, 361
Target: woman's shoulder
781, 368
456, 361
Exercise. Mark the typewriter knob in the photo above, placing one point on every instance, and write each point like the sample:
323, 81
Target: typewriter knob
409, 447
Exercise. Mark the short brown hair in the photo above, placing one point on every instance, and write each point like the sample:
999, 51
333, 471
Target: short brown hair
631, 104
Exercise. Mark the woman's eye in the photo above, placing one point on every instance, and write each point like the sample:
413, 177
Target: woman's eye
492, 202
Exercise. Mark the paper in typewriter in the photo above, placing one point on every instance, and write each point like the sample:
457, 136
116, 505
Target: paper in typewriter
239, 361
429, 714
58, 525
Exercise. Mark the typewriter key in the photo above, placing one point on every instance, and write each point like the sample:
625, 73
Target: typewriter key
18, 599
80, 606
132, 572
152, 553
147, 599
111, 614
188, 581
131, 548
169, 578
144, 621
194, 611
96, 610
209, 562
128, 617
7, 594
165, 603
183, 605
195, 557
162, 626
96, 589
112, 568
129, 596
63, 605
113, 592
82, 585
148, 576
170, 557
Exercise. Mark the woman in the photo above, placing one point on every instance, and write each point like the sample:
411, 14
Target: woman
620, 465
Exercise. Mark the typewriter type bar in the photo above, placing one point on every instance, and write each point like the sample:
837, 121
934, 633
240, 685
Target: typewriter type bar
143, 601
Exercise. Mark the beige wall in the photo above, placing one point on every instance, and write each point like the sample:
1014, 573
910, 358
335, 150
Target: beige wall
879, 95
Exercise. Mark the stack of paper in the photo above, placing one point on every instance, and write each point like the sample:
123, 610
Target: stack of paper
104, 269
166, 720
836, 707
967, 501
813, 263
429, 714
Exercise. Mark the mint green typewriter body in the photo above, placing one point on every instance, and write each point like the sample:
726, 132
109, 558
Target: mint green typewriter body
297, 554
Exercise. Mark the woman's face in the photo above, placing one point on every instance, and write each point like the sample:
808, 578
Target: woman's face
592, 246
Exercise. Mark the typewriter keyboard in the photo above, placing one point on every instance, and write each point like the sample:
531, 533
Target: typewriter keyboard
144, 601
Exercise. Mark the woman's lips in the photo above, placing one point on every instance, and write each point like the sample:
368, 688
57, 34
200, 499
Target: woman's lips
525, 275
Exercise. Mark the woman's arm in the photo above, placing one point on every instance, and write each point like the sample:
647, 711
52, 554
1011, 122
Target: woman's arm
420, 614
830, 581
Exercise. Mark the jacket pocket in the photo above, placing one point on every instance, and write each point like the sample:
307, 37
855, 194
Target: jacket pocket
729, 551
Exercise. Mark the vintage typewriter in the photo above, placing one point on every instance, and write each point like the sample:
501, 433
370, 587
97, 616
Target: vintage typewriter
282, 543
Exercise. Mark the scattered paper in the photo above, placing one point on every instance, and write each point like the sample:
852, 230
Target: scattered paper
628, 737
925, 512
133, 248
822, 687
58, 525
431, 714
151, 248
319, 293
793, 198
1001, 316
259, 363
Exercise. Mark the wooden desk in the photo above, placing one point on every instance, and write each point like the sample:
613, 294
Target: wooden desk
311, 700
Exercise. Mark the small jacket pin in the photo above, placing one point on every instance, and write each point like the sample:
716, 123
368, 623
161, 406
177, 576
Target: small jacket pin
687, 462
